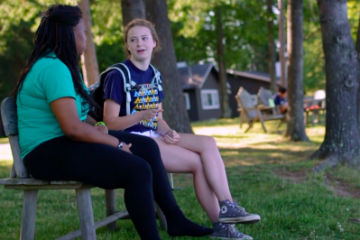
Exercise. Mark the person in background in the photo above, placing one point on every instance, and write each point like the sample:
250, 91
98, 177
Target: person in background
280, 99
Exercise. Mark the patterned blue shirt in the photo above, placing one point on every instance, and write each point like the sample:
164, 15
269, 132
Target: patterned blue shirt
144, 96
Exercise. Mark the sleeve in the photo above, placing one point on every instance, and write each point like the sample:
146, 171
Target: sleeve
277, 100
161, 94
114, 87
57, 82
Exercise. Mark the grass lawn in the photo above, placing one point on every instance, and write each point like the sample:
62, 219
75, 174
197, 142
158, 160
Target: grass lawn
267, 174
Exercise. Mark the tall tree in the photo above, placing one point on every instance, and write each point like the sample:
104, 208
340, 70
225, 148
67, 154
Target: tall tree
357, 48
357, 43
295, 117
342, 138
224, 98
132, 9
281, 4
88, 59
165, 60
271, 46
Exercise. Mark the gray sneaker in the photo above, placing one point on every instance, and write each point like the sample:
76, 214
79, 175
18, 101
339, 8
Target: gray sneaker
232, 213
228, 231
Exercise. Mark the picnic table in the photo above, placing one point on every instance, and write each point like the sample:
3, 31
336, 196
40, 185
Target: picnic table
314, 105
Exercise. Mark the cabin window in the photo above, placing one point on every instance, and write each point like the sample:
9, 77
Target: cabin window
187, 100
210, 99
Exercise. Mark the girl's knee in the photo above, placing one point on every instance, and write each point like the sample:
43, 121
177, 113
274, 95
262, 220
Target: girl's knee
150, 142
142, 171
196, 165
208, 142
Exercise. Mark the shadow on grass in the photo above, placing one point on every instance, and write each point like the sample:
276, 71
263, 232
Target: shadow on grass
249, 156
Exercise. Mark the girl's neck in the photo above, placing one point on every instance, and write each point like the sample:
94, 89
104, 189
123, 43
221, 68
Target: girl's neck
144, 65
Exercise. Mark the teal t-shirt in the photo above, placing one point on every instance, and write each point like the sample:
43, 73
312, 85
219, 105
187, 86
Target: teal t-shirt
49, 79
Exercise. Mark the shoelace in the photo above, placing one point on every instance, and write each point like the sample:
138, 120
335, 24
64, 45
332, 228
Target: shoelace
233, 229
237, 207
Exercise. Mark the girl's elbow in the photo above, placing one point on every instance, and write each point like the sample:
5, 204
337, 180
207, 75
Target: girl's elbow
110, 124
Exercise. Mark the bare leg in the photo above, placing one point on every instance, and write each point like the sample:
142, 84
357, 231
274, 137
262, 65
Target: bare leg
212, 162
181, 160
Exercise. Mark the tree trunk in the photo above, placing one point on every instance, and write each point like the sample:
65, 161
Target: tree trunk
271, 47
282, 42
175, 113
295, 117
88, 59
132, 9
357, 45
225, 108
342, 138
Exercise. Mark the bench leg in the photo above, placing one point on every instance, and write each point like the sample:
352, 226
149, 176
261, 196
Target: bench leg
171, 181
28, 215
281, 122
251, 123
86, 215
161, 216
261, 120
240, 120
110, 207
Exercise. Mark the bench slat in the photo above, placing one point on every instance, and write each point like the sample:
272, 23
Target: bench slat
22, 181
45, 187
101, 223
30, 183
9, 116
20, 169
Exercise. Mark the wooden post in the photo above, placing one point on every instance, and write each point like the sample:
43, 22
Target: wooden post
110, 207
28, 215
161, 216
86, 215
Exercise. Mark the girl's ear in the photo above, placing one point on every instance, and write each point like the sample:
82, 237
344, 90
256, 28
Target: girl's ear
127, 47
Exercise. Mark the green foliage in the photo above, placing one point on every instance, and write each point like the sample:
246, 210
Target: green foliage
193, 29
17, 19
314, 63
244, 27
107, 30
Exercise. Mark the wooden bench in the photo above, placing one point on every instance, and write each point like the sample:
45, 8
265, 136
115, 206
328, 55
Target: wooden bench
20, 180
251, 111
266, 101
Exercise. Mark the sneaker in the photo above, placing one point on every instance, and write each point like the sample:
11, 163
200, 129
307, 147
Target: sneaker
228, 231
232, 213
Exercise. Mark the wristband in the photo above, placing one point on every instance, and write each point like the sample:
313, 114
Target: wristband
100, 123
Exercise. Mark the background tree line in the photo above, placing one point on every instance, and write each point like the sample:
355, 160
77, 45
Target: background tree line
193, 28
234, 34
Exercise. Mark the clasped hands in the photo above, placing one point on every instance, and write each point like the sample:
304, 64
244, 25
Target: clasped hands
171, 137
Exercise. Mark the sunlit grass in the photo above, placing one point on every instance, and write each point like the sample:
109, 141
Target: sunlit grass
267, 174
4, 140
5, 152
